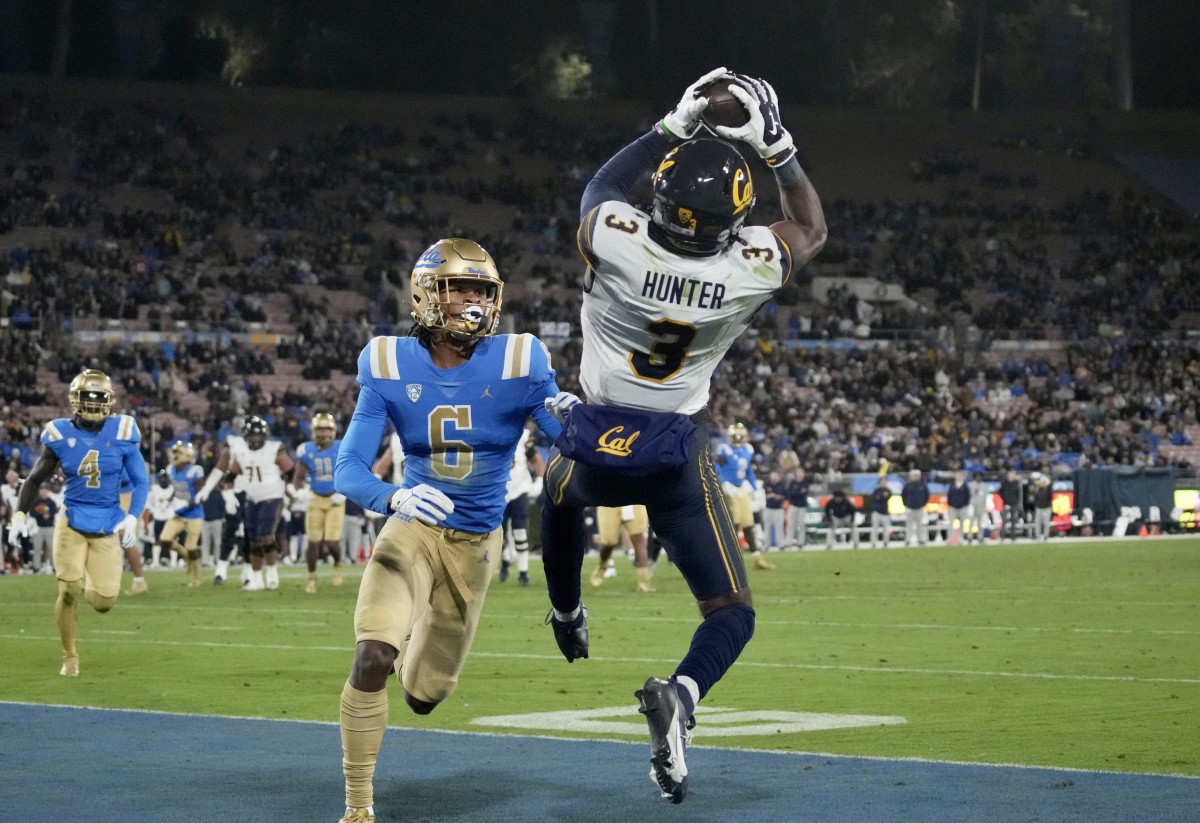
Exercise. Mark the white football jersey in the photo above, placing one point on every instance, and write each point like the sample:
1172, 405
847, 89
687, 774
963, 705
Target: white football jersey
520, 481
236, 442
656, 324
264, 480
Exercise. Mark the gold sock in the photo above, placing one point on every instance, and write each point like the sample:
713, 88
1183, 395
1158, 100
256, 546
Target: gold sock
364, 717
67, 619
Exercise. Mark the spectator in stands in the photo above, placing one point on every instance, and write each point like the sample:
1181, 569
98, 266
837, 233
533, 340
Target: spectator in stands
915, 495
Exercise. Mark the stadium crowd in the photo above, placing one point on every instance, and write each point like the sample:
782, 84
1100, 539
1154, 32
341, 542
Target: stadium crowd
265, 265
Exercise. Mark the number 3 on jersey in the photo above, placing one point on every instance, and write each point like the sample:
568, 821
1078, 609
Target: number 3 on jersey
671, 341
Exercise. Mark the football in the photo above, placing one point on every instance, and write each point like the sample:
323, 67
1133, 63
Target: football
723, 108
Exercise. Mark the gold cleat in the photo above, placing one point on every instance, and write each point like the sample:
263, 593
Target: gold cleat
137, 587
311, 586
358, 816
70, 666
644, 584
336, 580
763, 563
598, 576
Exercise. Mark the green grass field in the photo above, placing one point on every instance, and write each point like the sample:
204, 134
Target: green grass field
1071, 654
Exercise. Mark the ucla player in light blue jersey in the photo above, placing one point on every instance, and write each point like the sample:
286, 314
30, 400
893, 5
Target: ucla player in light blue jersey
459, 396
326, 514
92, 449
186, 479
734, 462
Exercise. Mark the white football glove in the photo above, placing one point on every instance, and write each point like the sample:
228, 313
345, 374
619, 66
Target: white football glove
20, 527
423, 502
684, 119
337, 498
729, 489
764, 131
560, 405
128, 531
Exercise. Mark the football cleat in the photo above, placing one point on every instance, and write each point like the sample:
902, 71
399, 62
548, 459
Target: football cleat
669, 737
311, 586
70, 666
572, 638
137, 587
218, 579
598, 576
336, 579
523, 579
359, 815
763, 563
504, 564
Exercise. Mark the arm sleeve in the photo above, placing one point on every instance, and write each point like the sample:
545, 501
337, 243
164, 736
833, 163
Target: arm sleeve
352, 476
616, 177
135, 469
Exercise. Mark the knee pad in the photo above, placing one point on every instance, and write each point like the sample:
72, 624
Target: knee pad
521, 539
419, 706
99, 602
71, 590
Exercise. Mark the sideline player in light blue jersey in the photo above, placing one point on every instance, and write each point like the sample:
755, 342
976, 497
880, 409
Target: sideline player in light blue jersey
734, 462
459, 398
92, 449
326, 514
186, 479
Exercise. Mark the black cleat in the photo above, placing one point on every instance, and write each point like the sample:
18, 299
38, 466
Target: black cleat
572, 638
669, 737
523, 580
504, 564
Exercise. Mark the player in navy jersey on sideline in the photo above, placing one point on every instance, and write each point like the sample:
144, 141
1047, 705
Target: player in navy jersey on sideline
326, 515
458, 395
92, 449
666, 292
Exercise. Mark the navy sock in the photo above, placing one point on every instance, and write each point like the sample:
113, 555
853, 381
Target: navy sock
716, 645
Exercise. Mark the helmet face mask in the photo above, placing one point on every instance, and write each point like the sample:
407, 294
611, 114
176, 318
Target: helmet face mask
257, 431
324, 429
703, 193
440, 281
91, 396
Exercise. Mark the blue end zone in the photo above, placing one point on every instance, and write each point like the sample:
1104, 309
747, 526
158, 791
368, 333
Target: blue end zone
97, 765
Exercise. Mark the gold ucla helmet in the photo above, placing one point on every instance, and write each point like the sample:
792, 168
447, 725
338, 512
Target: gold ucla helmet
703, 194
324, 427
737, 433
91, 395
455, 260
182, 453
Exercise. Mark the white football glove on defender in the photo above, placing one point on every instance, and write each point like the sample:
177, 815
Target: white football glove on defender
764, 131
337, 498
684, 119
423, 502
560, 405
20, 527
128, 531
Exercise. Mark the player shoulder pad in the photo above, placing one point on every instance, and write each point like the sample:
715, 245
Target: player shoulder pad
54, 430
379, 359
127, 428
525, 356
304, 449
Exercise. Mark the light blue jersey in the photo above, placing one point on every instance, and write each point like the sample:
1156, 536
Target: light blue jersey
459, 427
320, 464
93, 463
738, 465
187, 481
